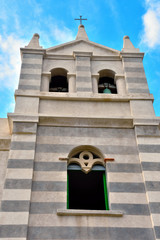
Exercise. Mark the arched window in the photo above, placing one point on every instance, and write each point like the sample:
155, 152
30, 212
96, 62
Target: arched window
106, 83
86, 181
59, 81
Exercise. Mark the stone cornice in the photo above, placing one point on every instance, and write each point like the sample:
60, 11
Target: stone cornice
132, 54
58, 57
119, 122
15, 117
106, 58
82, 54
51, 120
146, 121
71, 57
33, 50
84, 96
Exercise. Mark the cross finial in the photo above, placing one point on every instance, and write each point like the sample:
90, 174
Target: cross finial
80, 19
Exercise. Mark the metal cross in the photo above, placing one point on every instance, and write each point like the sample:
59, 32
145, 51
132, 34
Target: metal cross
80, 19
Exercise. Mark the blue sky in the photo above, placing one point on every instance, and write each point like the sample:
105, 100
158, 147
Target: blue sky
108, 22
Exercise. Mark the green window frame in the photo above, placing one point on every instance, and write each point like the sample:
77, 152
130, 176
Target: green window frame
103, 181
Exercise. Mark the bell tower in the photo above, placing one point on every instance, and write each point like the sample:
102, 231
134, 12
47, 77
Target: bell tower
84, 158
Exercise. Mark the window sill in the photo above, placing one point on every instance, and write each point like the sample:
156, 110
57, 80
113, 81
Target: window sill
76, 212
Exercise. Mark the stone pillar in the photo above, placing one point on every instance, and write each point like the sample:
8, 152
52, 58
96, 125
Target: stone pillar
83, 71
148, 142
16, 197
120, 84
46, 77
31, 69
95, 79
71, 77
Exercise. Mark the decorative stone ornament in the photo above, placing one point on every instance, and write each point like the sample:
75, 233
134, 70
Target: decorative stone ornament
86, 160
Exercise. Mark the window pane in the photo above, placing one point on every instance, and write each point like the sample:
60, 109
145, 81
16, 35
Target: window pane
86, 191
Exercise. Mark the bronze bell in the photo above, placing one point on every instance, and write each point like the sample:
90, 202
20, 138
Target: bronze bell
107, 90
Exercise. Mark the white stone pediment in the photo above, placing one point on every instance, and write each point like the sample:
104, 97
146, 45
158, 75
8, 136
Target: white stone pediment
82, 46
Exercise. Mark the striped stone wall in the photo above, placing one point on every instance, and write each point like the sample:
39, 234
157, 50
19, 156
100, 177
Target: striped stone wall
83, 74
135, 76
125, 185
148, 140
3, 166
31, 68
17, 188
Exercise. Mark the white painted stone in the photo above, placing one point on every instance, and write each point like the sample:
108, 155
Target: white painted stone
128, 46
79, 140
142, 108
34, 43
71, 82
49, 157
151, 175
46, 78
148, 140
156, 219
14, 218
24, 137
32, 60
136, 74
4, 127
95, 79
49, 196
14, 173
16, 194
30, 71
120, 84
153, 196
27, 105
127, 198
90, 221
21, 154
125, 177
30, 82
3, 167
149, 157
50, 176
85, 109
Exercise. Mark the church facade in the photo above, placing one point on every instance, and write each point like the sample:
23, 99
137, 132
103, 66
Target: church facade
80, 155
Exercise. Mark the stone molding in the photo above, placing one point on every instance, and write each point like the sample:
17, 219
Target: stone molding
117, 76
47, 74
132, 54
76, 212
71, 57
33, 51
58, 57
71, 74
86, 164
85, 96
18, 118
82, 54
96, 75
106, 58
86, 122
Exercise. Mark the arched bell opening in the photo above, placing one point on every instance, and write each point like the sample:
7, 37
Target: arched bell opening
106, 83
59, 82
86, 179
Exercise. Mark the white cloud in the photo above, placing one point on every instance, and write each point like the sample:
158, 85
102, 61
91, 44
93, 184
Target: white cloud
10, 60
62, 35
151, 22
